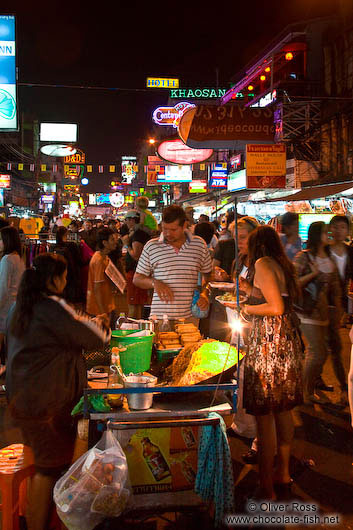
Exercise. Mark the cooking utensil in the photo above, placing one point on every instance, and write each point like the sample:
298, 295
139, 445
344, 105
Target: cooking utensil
140, 401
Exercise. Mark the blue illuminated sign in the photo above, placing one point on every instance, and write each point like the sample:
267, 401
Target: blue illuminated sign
103, 198
219, 176
8, 92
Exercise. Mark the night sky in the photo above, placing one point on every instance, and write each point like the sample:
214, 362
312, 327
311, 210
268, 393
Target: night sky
119, 44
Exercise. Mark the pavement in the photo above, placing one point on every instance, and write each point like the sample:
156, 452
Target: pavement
321, 463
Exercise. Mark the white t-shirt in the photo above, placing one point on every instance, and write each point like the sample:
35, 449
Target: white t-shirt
340, 262
179, 270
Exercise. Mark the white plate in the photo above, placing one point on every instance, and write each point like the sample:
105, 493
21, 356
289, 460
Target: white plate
96, 375
229, 303
224, 286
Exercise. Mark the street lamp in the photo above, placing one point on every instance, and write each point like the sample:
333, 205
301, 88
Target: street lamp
151, 141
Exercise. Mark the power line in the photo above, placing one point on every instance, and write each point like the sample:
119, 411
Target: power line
82, 87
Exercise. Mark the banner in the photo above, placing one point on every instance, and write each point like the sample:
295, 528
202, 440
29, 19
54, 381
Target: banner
8, 90
226, 127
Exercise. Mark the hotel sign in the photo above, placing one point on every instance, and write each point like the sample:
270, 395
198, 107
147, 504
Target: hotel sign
162, 82
197, 93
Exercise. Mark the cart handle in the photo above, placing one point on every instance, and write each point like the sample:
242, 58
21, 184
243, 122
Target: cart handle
126, 425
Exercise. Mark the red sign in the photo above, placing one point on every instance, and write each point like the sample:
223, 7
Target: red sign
5, 181
176, 152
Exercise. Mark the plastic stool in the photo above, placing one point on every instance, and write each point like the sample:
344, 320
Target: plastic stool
16, 465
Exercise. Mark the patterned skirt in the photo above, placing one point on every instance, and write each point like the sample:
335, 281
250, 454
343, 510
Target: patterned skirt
273, 365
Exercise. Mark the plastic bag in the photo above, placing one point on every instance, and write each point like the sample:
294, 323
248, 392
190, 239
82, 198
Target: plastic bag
96, 486
195, 310
96, 403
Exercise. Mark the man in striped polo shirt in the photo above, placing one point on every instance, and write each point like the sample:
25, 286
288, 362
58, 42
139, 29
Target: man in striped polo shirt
171, 265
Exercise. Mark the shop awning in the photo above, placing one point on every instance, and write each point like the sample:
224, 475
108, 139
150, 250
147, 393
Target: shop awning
315, 192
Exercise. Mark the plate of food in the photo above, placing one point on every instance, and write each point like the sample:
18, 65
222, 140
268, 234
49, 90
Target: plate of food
230, 300
223, 286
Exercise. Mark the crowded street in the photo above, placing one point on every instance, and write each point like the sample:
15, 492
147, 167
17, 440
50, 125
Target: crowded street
176, 266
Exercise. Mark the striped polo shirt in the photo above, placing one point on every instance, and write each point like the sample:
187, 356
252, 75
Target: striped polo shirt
179, 270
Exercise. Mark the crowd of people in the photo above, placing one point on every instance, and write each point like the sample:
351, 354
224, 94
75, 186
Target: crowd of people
66, 302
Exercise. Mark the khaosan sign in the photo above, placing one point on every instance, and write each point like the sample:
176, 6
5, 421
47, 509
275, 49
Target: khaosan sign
197, 93
176, 152
170, 116
8, 92
226, 126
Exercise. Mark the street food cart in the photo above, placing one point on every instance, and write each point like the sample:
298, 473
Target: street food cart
161, 443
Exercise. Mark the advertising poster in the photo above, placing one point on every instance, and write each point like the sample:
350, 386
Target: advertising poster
162, 460
128, 169
8, 90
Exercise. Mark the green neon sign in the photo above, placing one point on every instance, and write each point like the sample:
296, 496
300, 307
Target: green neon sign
197, 93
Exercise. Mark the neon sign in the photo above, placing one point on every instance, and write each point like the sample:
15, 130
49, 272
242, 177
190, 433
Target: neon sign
73, 171
197, 93
176, 152
162, 82
78, 158
171, 116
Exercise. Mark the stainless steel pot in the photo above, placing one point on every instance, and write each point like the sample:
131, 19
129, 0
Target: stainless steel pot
139, 401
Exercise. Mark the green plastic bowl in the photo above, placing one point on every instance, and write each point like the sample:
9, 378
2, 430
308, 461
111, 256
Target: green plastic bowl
137, 356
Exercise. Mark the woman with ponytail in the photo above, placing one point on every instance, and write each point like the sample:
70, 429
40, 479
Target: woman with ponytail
46, 374
272, 366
